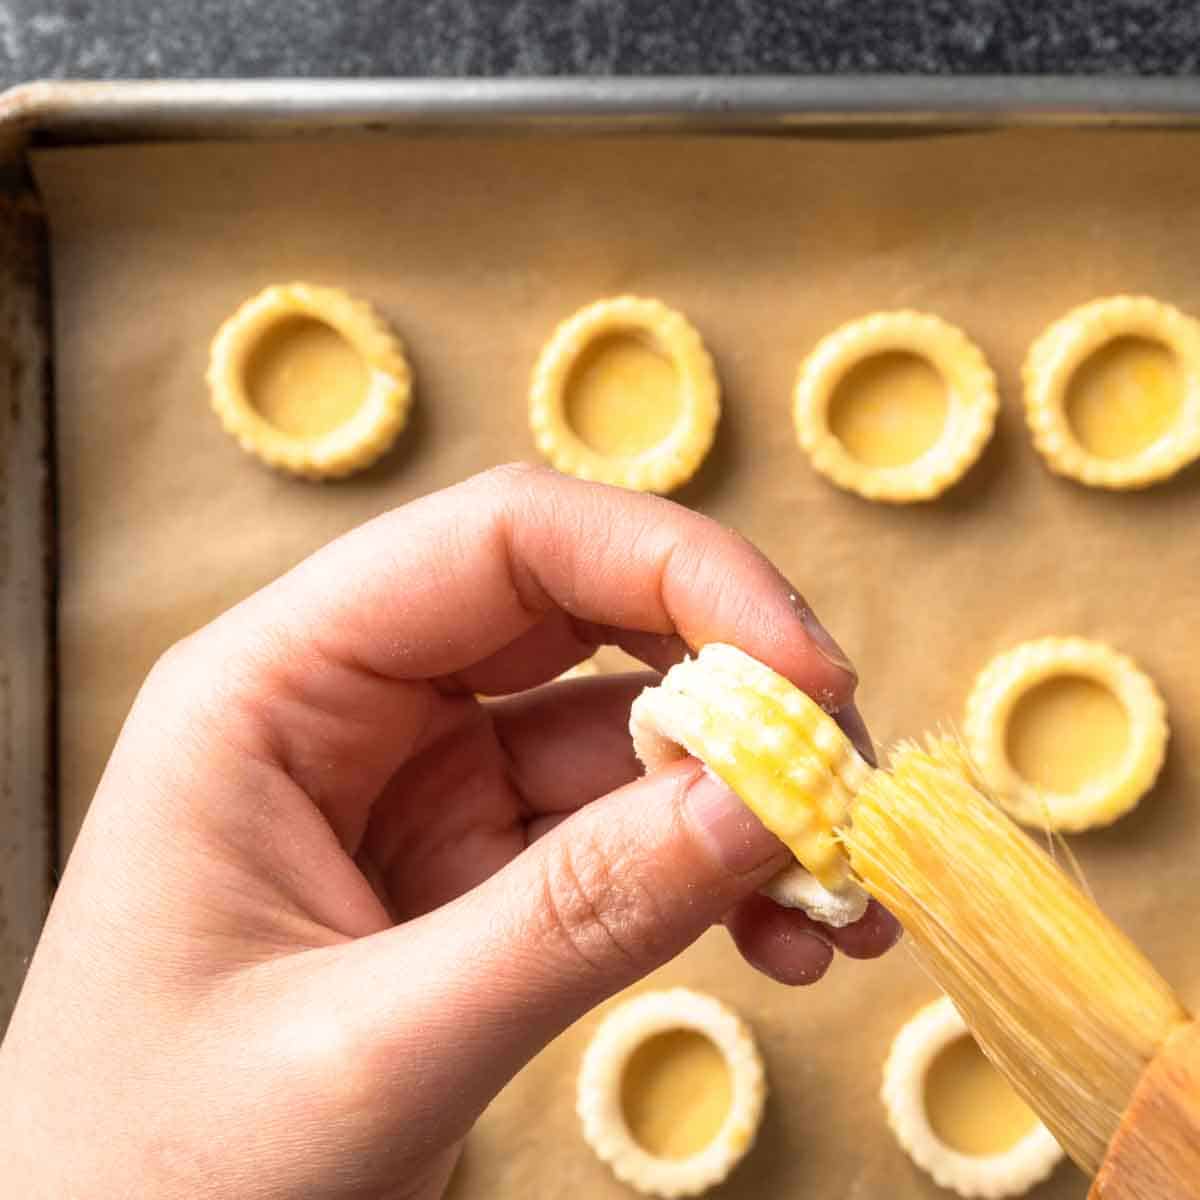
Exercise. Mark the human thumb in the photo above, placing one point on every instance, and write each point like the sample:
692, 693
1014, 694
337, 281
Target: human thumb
614, 891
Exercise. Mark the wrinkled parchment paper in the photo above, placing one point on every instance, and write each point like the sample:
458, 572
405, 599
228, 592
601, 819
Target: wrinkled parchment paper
475, 249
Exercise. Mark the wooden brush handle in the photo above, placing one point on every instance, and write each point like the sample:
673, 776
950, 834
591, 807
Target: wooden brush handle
1155, 1154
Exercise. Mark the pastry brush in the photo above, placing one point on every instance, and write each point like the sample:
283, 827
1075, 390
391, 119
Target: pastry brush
1060, 1000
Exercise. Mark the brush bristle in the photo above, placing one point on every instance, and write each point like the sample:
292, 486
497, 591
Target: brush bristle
1059, 999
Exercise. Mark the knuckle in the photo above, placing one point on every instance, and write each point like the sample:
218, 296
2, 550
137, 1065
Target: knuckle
606, 921
511, 476
175, 660
171, 680
185, 693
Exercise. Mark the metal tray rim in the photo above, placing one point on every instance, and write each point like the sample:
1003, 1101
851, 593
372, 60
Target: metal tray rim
73, 112
80, 113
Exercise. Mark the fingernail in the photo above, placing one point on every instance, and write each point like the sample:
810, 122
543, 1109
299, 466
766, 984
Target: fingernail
854, 727
822, 639
735, 837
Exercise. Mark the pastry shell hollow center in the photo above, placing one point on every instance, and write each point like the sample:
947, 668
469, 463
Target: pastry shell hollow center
889, 409
896, 406
624, 392
970, 1105
1112, 392
309, 380
1124, 397
622, 397
934, 1080
675, 1093
629, 1049
304, 378
1068, 733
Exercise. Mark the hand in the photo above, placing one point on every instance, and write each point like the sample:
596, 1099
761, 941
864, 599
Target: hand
326, 902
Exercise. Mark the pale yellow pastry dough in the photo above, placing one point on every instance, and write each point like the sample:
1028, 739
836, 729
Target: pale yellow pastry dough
1112, 392
624, 392
582, 670
671, 1092
956, 1116
797, 887
1068, 733
896, 406
309, 380
774, 746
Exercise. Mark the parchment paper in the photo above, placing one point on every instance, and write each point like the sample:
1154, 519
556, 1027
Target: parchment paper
475, 249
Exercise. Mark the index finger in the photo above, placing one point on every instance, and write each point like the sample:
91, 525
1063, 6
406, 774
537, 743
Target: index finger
432, 588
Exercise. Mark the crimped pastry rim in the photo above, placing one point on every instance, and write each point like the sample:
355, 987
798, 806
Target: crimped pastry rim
659, 468
352, 445
666, 722
1009, 676
1056, 355
598, 1096
972, 404
920, 1040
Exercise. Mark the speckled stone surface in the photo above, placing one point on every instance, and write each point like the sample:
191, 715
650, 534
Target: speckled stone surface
106, 39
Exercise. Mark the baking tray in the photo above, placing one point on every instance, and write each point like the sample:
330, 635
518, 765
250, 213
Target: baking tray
68, 114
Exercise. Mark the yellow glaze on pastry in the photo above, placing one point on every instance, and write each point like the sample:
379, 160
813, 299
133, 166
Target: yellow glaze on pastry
624, 392
773, 745
309, 380
956, 1116
971, 1106
675, 1093
1067, 733
671, 1092
896, 406
1124, 397
1112, 392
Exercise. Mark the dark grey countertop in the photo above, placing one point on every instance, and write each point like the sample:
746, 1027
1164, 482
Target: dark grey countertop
106, 39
